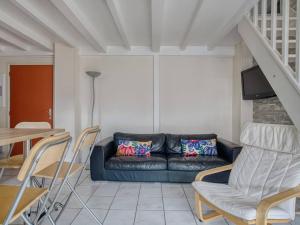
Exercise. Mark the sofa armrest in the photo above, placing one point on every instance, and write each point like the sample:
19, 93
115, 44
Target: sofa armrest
102, 151
228, 150
107, 146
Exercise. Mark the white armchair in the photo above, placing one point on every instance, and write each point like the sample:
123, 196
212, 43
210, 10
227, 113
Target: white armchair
264, 180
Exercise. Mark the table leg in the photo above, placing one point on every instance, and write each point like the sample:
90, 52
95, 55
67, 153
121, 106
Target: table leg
26, 147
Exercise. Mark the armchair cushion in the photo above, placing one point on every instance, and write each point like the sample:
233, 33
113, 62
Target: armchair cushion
194, 163
235, 202
274, 137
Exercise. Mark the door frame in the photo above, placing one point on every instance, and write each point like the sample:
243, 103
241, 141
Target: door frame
8, 88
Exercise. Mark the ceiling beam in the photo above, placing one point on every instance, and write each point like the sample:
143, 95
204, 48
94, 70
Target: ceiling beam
12, 40
157, 8
187, 34
230, 23
28, 8
81, 23
116, 14
17, 27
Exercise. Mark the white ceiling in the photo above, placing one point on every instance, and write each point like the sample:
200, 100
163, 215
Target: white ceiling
104, 26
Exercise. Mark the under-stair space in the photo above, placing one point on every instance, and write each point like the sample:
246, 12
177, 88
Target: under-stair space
271, 31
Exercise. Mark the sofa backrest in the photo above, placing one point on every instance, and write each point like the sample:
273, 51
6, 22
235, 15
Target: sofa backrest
268, 163
173, 141
158, 140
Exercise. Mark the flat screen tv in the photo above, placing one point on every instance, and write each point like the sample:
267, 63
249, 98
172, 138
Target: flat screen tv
255, 85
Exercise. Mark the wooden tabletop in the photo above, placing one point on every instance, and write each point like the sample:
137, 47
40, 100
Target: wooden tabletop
13, 135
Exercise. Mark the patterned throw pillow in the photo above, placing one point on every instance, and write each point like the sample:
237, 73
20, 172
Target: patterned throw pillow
132, 148
199, 147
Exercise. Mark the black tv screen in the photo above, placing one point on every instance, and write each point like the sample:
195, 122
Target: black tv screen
255, 85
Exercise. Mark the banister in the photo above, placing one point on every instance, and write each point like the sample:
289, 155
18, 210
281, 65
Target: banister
267, 25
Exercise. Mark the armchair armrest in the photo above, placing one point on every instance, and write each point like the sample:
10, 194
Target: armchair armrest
228, 150
205, 173
266, 204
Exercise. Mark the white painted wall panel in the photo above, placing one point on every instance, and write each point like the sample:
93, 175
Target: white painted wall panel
196, 95
124, 93
65, 70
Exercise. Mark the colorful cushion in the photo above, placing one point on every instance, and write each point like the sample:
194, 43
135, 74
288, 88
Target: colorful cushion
132, 148
199, 147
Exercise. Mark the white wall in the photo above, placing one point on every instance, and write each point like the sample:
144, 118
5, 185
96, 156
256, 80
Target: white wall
66, 68
196, 94
242, 109
124, 93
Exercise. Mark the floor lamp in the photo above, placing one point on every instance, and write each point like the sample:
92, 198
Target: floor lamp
93, 75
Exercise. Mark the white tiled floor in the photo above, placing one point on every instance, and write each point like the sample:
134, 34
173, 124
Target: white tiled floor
125, 203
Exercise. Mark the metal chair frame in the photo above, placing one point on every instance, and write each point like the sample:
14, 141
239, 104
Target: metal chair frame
71, 187
21, 125
30, 173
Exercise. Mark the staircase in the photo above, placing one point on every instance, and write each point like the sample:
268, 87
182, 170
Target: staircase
271, 31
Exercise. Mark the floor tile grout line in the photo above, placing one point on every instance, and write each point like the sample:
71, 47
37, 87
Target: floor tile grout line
136, 208
81, 209
77, 214
162, 198
189, 204
114, 197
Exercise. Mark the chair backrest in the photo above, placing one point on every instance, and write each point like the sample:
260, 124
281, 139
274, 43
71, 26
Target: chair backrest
268, 163
45, 152
86, 139
37, 125
51, 149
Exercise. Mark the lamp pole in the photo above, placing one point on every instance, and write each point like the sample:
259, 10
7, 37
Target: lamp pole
93, 75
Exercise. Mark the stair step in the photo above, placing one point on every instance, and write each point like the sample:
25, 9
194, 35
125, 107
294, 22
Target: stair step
292, 37
278, 18
291, 50
290, 41
292, 26
280, 29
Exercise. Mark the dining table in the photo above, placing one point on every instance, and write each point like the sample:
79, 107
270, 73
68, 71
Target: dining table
26, 135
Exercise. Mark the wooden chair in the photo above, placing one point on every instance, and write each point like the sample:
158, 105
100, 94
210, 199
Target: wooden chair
16, 161
264, 180
16, 200
85, 142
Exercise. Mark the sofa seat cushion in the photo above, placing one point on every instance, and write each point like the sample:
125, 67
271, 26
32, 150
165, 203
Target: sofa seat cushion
194, 163
235, 202
154, 162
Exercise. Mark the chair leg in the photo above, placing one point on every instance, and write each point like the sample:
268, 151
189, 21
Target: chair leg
198, 207
63, 206
26, 219
199, 211
1, 173
82, 202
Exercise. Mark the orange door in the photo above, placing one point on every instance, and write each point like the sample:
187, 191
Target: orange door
31, 95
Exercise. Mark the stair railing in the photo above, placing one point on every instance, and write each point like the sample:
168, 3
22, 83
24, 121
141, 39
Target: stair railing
281, 30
